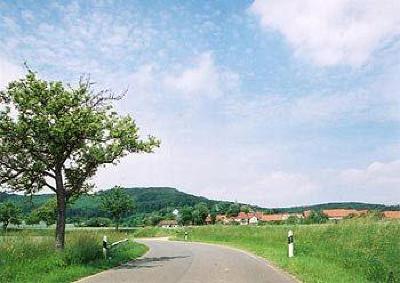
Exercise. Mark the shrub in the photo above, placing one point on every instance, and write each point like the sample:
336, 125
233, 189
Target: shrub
82, 248
98, 222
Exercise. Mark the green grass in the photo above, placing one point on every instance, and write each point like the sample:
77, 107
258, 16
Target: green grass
29, 256
154, 232
351, 251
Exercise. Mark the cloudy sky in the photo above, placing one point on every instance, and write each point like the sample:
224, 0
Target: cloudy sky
271, 102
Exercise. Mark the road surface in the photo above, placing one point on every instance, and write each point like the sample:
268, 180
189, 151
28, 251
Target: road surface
182, 262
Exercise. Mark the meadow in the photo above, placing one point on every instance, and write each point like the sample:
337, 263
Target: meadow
29, 255
350, 251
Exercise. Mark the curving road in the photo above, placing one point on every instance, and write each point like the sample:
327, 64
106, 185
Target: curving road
180, 262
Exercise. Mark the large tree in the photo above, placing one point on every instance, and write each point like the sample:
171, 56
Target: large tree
57, 136
116, 202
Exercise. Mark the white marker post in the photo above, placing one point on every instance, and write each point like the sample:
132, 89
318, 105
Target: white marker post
290, 243
186, 236
105, 247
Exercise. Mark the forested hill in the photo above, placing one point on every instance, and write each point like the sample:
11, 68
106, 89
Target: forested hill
147, 200
163, 199
336, 205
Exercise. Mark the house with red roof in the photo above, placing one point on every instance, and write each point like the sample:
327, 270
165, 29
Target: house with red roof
337, 214
391, 214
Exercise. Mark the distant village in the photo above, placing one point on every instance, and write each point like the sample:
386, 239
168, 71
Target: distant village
255, 218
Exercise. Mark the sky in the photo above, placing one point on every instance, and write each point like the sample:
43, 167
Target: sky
269, 102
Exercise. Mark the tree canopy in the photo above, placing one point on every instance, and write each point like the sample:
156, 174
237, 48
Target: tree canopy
9, 214
57, 136
116, 202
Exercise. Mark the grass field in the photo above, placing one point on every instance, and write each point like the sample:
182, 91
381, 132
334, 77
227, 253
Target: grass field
29, 256
353, 251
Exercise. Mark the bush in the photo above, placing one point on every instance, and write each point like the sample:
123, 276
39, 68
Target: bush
82, 248
98, 222
30, 256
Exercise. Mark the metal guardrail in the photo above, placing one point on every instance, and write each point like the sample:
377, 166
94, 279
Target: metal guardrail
107, 247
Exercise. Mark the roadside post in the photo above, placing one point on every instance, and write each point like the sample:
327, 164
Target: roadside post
105, 247
290, 244
186, 235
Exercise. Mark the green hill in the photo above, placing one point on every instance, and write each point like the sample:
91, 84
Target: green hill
147, 200
163, 200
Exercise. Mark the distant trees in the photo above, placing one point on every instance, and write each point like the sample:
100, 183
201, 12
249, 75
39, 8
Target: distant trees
153, 219
200, 213
213, 214
316, 217
116, 202
245, 208
46, 213
98, 222
186, 216
292, 220
9, 214
193, 215
233, 210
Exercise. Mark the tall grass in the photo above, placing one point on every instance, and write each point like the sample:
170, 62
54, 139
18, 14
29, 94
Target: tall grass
351, 251
154, 232
27, 256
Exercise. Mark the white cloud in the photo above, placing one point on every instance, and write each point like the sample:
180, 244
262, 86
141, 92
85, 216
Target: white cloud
77, 39
203, 79
280, 188
332, 32
377, 175
8, 71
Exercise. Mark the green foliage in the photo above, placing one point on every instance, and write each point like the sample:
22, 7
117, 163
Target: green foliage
83, 248
116, 202
153, 219
233, 210
157, 203
213, 215
186, 217
98, 222
316, 217
59, 138
9, 214
245, 208
200, 213
46, 213
292, 220
61, 129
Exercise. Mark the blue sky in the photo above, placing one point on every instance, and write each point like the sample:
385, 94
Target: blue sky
273, 102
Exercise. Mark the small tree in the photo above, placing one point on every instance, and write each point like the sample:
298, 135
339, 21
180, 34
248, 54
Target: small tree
202, 213
196, 217
47, 212
233, 209
245, 208
213, 214
186, 215
116, 202
59, 136
316, 217
9, 214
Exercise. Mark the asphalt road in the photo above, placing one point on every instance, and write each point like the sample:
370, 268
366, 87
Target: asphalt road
181, 262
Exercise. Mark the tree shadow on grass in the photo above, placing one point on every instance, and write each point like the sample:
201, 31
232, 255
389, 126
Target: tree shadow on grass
148, 262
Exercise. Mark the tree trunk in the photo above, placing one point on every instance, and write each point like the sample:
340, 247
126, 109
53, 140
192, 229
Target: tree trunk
117, 224
61, 209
